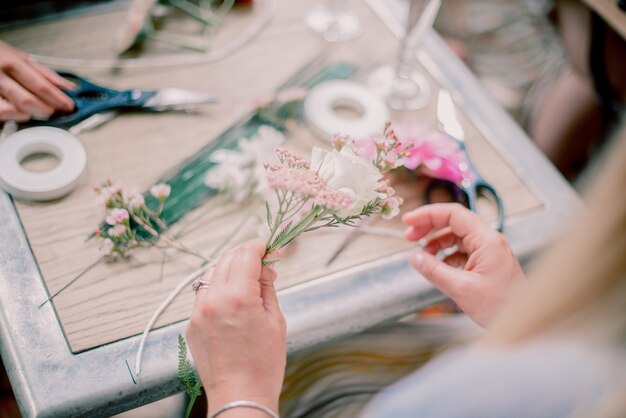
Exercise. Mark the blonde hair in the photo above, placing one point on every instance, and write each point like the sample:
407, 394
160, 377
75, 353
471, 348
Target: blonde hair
582, 281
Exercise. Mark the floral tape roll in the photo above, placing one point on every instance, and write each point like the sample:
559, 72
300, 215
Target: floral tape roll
47, 185
322, 104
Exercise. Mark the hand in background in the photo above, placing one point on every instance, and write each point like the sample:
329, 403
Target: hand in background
236, 333
29, 89
480, 276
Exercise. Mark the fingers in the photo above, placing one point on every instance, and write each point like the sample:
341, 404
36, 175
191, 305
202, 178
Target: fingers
52, 76
462, 222
456, 260
10, 112
446, 278
22, 99
25, 73
222, 269
248, 263
268, 292
443, 239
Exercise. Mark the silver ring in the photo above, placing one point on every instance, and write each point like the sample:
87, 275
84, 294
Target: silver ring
199, 284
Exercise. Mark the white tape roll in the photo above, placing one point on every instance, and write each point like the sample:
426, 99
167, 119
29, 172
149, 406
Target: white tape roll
321, 114
47, 185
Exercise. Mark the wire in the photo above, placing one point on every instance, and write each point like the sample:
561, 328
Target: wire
267, 12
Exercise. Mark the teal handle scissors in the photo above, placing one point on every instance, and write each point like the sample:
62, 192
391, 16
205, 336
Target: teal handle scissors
473, 185
91, 99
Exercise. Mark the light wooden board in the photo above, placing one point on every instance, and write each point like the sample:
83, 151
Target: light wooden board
114, 301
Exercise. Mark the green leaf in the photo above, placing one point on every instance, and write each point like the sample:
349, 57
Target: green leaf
186, 373
269, 215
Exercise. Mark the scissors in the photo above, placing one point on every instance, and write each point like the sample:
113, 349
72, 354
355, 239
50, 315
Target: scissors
473, 185
95, 104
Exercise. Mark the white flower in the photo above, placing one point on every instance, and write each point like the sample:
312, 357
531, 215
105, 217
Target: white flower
345, 171
137, 201
161, 191
242, 171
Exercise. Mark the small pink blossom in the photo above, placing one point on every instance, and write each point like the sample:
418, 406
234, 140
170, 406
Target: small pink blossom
137, 201
117, 230
107, 246
292, 94
334, 200
161, 191
262, 101
300, 181
291, 159
117, 216
339, 141
391, 207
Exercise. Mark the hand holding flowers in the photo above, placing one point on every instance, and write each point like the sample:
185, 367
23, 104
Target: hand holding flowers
335, 188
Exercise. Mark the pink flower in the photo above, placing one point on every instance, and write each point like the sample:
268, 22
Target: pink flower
292, 94
298, 180
339, 141
291, 159
391, 207
137, 202
117, 216
107, 246
262, 101
161, 191
335, 200
117, 230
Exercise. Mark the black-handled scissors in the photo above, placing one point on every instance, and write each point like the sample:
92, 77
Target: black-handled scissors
91, 99
473, 185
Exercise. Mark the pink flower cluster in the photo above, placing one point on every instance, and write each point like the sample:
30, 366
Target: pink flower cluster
387, 152
432, 154
292, 174
124, 206
390, 202
335, 188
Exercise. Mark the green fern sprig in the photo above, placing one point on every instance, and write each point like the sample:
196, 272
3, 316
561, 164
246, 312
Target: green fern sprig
187, 375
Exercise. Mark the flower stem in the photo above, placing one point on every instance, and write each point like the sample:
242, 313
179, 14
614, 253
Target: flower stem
81, 274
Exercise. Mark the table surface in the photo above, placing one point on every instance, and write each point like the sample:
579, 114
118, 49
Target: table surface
91, 328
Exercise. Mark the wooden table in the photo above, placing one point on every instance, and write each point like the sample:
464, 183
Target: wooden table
68, 358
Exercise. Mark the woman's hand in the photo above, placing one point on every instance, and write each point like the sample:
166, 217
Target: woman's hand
28, 89
480, 276
236, 333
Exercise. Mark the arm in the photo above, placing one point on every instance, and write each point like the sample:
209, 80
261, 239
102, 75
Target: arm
237, 333
481, 275
28, 89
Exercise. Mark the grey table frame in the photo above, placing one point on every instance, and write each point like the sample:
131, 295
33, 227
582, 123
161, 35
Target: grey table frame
50, 381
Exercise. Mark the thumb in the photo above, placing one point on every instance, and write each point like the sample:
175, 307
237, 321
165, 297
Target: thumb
444, 277
268, 292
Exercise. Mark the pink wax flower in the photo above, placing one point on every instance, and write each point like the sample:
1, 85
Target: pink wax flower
117, 230
107, 246
161, 191
117, 216
431, 153
292, 94
137, 201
